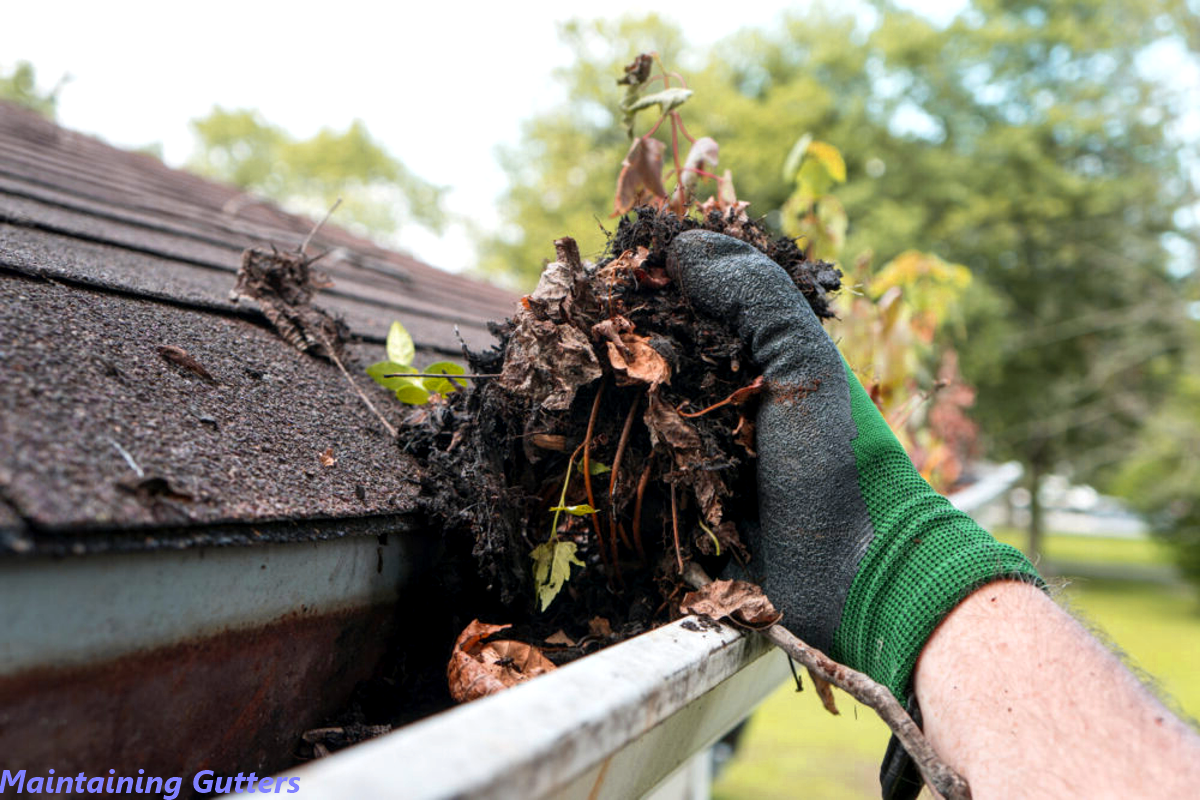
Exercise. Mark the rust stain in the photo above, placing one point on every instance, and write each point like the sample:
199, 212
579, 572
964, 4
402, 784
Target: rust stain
599, 784
233, 702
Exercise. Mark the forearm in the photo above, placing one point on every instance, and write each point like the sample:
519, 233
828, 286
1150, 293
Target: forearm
1024, 702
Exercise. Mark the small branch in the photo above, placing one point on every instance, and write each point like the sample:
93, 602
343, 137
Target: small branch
333, 357
682, 129
450, 376
679, 190
318, 226
937, 773
612, 480
675, 530
643, 481
621, 444
824, 692
133, 465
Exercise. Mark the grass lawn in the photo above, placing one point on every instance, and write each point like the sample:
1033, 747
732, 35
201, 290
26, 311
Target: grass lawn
793, 749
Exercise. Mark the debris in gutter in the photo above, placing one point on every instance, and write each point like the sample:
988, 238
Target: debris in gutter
478, 668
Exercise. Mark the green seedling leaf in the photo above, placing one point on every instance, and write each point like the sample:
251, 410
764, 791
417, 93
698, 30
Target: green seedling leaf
441, 385
791, 164
830, 158
552, 568
413, 394
400, 347
576, 511
594, 467
668, 100
381, 368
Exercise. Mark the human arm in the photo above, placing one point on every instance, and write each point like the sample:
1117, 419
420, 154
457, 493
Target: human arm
1023, 701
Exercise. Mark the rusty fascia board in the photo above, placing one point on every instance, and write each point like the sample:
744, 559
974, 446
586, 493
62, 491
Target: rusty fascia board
613, 725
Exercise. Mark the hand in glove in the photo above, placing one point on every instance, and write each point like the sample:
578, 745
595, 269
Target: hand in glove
860, 554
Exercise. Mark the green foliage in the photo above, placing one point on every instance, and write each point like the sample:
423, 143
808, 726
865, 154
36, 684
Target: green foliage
20, 87
378, 192
399, 345
1028, 142
812, 214
415, 390
552, 562
1162, 478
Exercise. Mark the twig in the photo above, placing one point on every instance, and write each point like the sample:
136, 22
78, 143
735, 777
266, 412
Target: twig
637, 512
675, 530
333, 357
450, 376
621, 443
133, 465
824, 692
612, 480
587, 472
736, 398
937, 773
317, 227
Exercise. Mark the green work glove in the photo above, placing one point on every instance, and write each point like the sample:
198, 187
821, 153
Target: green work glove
860, 554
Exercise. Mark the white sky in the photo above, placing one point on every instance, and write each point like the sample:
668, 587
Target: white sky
440, 84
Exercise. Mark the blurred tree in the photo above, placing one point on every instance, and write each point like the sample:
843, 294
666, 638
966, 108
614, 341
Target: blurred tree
1037, 143
1162, 478
563, 172
20, 87
378, 192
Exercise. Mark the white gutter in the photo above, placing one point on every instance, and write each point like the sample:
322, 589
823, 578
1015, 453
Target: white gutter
620, 723
613, 725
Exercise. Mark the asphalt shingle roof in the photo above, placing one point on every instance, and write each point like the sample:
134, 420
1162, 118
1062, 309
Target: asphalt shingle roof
107, 256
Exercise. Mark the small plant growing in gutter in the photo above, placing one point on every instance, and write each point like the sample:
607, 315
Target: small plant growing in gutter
410, 385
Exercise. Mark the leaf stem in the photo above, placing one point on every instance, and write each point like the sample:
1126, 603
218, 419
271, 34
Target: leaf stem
682, 129
587, 472
643, 481
675, 530
679, 190
562, 498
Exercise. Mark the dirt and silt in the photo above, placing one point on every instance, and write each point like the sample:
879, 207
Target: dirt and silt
612, 395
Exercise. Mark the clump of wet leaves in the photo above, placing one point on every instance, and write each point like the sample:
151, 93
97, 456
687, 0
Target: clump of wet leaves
616, 443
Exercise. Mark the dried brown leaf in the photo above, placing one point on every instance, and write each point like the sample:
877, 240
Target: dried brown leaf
549, 441
635, 361
327, 459
670, 430
631, 356
610, 330
743, 434
477, 669
600, 627
546, 363
740, 601
641, 175
560, 637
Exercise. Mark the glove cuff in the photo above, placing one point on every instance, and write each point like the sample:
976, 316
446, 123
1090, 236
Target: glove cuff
926, 557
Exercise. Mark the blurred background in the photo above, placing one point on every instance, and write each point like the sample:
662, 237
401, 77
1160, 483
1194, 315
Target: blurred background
1010, 189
